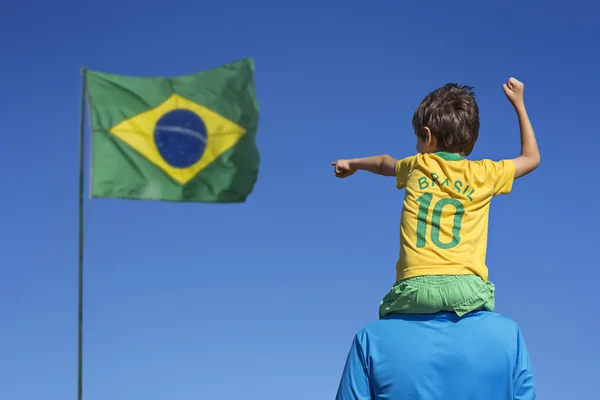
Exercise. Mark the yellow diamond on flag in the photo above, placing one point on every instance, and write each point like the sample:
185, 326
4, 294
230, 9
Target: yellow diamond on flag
179, 136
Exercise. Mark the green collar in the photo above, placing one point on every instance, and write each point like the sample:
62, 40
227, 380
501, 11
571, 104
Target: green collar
449, 156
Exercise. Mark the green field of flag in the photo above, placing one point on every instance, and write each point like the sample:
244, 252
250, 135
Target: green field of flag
189, 138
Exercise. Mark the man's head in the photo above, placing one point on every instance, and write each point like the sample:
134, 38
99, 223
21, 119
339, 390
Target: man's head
447, 120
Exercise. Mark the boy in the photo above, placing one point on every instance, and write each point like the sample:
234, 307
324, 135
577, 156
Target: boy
444, 222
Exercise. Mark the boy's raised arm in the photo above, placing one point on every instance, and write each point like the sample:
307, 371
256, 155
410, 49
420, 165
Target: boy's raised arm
380, 165
530, 154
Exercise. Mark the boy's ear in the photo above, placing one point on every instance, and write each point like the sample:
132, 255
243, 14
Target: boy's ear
430, 140
428, 136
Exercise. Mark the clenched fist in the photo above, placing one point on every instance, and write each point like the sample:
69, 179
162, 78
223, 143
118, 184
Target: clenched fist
342, 168
514, 91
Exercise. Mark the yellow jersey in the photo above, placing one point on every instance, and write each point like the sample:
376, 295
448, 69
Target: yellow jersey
444, 222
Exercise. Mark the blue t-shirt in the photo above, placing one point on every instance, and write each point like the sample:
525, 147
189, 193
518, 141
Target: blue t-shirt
439, 356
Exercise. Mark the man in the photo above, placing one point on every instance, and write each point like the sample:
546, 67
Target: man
480, 356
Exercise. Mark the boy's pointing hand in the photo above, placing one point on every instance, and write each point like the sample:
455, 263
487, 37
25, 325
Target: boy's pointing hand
342, 168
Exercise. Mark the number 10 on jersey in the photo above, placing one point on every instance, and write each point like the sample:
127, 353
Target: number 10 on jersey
424, 205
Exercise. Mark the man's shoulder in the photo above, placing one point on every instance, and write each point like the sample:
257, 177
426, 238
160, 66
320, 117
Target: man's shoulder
484, 320
498, 322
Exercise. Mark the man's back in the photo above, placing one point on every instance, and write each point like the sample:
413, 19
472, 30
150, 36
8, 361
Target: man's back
479, 356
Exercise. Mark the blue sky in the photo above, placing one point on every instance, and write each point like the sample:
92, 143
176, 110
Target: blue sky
196, 301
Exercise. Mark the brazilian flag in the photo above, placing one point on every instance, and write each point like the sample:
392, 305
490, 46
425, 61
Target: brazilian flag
189, 138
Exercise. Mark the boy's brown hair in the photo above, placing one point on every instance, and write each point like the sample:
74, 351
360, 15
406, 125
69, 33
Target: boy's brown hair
452, 115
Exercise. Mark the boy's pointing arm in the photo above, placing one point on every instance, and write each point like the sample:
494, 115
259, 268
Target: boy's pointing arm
380, 165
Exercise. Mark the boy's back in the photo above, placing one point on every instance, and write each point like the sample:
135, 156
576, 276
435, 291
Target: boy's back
444, 221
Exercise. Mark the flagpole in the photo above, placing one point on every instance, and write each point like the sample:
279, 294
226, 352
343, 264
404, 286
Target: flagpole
81, 197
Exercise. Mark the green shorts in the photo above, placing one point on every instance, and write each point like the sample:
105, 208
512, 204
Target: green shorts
434, 293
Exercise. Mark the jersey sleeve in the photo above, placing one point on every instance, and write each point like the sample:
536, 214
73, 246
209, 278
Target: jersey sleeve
403, 167
523, 380
502, 173
355, 383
